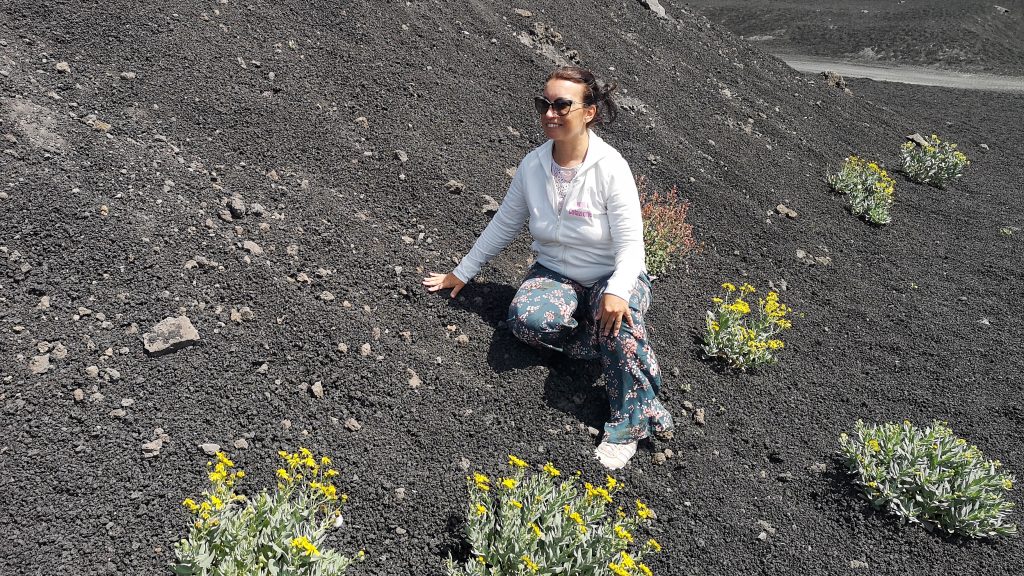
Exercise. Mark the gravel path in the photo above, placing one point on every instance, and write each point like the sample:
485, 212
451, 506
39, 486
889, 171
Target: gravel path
905, 74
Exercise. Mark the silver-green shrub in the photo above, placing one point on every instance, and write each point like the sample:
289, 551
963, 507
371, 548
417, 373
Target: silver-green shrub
936, 163
867, 186
930, 476
275, 533
539, 522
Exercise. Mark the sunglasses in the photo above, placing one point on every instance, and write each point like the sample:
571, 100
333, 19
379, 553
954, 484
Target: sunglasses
561, 106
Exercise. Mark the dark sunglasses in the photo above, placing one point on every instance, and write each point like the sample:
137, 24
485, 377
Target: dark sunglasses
561, 106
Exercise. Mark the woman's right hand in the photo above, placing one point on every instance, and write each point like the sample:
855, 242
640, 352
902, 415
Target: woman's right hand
436, 282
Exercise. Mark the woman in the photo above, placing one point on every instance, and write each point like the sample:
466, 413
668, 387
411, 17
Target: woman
588, 292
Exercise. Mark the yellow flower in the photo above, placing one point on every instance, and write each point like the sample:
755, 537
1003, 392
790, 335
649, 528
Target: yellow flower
873, 445
518, 463
508, 483
516, 503
715, 327
717, 300
1007, 484
627, 560
740, 307
643, 511
612, 483
729, 287
623, 534
575, 517
643, 568
617, 569
219, 474
302, 543
747, 288
283, 475
481, 481
190, 504
325, 461
551, 470
217, 502
536, 530
598, 492
328, 490
530, 563
776, 344
654, 545
481, 510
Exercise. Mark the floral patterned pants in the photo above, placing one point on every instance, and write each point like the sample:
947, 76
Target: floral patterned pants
554, 312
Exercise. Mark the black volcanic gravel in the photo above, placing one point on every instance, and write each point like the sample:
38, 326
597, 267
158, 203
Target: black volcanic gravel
889, 330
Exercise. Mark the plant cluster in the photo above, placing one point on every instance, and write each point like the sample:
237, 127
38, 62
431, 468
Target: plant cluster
541, 522
936, 163
738, 336
868, 187
274, 533
929, 476
667, 236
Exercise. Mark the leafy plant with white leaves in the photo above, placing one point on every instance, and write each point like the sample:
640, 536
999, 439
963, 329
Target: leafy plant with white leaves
933, 161
743, 336
539, 522
280, 532
930, 476
867, 186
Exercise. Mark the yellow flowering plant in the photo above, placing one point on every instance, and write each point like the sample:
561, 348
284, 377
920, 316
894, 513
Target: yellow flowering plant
742, 336
867, 186
936, 163
929, 476
541, 521
279, 532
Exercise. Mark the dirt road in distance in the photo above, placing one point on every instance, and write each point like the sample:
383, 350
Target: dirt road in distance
905, 74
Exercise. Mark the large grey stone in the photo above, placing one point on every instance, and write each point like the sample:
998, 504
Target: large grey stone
171, 334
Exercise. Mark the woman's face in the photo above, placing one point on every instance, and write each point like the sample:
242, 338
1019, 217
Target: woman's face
574, 123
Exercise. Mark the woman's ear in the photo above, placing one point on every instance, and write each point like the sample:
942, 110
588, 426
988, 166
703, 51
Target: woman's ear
590, 113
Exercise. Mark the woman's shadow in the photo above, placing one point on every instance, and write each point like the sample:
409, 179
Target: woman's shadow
572, 386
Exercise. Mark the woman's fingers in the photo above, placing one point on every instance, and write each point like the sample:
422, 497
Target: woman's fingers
628, 317
437, 281
610, 314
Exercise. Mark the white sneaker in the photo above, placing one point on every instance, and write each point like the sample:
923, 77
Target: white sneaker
614, 456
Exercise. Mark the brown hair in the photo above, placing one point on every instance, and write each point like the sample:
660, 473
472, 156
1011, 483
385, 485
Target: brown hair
598, 93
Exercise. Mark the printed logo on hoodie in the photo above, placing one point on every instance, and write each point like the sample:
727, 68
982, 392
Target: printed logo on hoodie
580, 210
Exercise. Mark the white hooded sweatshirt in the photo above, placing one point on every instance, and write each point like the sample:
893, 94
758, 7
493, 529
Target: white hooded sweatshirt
599, 231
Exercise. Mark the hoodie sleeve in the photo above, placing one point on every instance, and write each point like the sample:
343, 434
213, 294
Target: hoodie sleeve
627, 229
500, 232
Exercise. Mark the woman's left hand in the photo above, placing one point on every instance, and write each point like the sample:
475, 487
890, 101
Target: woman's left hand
609, 317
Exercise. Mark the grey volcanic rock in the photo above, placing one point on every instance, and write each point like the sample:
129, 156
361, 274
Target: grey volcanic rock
169, 335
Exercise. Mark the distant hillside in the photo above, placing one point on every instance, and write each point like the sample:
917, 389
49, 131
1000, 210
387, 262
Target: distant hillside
958, 34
